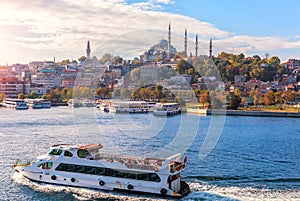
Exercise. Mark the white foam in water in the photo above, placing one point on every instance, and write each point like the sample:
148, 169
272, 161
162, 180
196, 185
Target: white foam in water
247, 193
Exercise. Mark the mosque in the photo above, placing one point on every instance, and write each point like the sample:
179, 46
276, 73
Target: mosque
165, 51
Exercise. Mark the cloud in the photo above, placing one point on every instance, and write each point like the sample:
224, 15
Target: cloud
65, 26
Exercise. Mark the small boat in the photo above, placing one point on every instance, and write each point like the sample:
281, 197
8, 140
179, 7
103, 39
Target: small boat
166, 109
18, 104
86, 166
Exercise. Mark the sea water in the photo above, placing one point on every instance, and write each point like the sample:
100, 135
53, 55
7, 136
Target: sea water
229, 158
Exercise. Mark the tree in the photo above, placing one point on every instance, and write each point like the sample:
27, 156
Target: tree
21, 96
106, 57
288, 96
183, 66
125, 93
234, 102
204, 98
135, 74
117, 60
269, 98
82, 58
257, 96
103, 92
158, 91
2, 96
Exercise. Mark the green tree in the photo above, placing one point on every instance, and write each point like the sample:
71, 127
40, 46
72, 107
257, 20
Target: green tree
159, 91
234, 102
183, 66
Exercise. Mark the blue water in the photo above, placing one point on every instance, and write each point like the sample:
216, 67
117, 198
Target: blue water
245, 158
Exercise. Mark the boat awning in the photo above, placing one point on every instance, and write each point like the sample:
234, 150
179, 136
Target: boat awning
91, 147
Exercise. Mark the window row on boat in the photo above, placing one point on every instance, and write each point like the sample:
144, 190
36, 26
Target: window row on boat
108, 172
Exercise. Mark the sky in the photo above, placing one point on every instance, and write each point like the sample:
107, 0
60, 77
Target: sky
41, 29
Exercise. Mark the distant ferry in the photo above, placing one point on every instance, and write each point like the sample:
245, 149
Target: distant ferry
18, 104
38, 103
85, 166
131, 107
166, 109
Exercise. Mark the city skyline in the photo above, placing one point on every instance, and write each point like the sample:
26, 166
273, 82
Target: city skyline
42, 31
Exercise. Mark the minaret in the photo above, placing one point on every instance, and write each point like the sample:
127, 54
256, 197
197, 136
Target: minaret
169, 42
185, 43
88, 50
196, 48
210, 48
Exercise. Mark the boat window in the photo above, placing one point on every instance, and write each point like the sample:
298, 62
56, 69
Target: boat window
69, 167
68, 154
100, 171
60, 167
55, 152
154, 177
132, 176
80, 169
111, 172
81, 153
144, 177
90, 170
47, 165
122, 174
106, 171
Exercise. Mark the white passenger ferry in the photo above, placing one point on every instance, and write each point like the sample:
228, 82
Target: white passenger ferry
166, 109
85, 166
131, 107
38, 103
18, 104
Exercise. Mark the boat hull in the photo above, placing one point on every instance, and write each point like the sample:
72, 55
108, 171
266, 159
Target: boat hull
100, 183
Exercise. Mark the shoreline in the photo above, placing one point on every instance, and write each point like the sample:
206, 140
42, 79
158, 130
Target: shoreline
246, 113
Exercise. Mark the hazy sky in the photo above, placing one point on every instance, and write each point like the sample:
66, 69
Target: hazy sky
42, 29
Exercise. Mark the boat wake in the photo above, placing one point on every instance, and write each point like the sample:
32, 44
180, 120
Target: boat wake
245, 193
199, 191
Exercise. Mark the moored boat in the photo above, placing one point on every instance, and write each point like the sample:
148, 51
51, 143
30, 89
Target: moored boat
131, 107
166, 109
18, 104
86, 166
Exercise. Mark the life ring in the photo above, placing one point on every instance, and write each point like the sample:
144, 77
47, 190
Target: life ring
130, 187
73, 179
101, 183
163, 191
53, 177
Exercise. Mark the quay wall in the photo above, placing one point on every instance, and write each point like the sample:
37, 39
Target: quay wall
253, 113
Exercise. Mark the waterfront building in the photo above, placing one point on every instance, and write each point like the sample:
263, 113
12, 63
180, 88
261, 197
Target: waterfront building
49, 80
11, 87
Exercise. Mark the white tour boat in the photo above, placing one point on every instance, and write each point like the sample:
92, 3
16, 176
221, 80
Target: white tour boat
166, 109
18, 104
85, 166
131, 107
38, 103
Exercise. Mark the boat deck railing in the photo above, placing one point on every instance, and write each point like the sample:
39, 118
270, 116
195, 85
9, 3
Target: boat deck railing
151, 164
